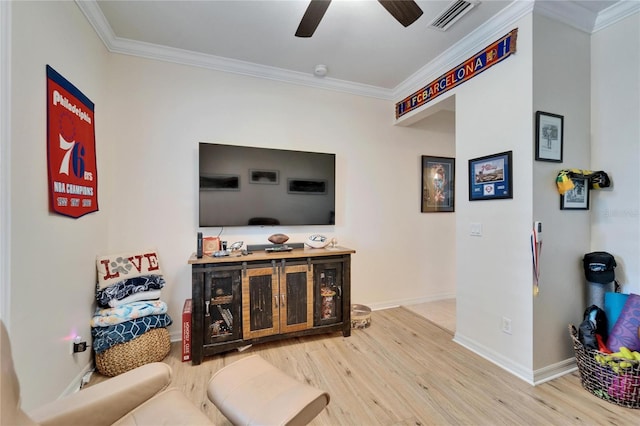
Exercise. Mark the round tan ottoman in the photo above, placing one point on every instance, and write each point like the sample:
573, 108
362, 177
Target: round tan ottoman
151, 346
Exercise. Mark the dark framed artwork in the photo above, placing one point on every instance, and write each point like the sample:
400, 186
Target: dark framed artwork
490, 177
270, 177
549, 137
307, 186
220, 182
438, 184
576, 198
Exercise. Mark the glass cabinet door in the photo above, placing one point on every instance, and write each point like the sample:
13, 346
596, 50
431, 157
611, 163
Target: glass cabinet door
222, 306
328, 293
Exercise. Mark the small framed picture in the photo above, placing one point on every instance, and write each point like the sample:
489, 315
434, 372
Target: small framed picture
549, 136
576, 198
490, 177
306, 186
270, 177
210, 182
438, 184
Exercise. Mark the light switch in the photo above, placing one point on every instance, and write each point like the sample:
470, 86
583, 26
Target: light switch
476, 230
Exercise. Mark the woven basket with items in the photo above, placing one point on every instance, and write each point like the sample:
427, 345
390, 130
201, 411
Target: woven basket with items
129, 325
152, 346
614, 377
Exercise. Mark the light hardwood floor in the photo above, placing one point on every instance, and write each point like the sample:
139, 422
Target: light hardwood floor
440, 312
405, 370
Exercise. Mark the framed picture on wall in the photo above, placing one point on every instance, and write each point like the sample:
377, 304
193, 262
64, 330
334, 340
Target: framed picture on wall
576, 198
269, 177
490, 177
438, 184
306, 186
212, 182
549, 136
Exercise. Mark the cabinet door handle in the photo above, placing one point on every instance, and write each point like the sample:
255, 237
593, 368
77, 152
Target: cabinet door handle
275, 298
282, 297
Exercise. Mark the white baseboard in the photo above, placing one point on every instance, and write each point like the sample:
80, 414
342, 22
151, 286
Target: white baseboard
406, 302
554, 371
516, 369
175, 336
530, 376
75, 384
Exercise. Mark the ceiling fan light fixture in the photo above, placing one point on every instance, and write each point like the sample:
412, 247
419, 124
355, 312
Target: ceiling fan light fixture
320, 70
451, 14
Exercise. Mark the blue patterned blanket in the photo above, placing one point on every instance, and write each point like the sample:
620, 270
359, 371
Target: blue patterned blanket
127, 287
106, 337
104, 317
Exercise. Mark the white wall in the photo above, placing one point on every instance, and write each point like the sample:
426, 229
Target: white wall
150, 117
5, 161
493, 115
52, 257
561, 79
155, 196
615, 147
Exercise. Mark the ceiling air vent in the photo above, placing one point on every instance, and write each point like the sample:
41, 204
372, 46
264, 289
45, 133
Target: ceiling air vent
455, 11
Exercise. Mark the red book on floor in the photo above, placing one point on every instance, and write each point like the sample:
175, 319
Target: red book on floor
186, 330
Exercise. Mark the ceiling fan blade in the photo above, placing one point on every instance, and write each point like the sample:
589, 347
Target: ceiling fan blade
405, 11
312, 17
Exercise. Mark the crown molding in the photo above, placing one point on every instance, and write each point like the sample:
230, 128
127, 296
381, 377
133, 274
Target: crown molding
469, 45
114, 44
566, 12
615, 13
185, 57
569, 13
584, 19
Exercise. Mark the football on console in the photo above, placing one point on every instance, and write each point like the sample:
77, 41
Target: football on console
317, 241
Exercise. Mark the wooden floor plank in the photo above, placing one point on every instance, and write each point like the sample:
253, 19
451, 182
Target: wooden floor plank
405, 370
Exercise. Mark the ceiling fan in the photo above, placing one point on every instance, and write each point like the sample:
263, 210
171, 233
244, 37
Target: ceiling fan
405, 11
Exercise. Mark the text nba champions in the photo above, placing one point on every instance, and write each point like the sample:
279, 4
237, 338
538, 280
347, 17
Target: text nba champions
69, 188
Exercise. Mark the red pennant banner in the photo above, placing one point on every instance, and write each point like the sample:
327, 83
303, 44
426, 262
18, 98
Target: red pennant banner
71, 149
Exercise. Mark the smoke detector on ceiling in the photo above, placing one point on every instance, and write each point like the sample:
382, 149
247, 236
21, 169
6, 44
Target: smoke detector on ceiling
450, 15
320, 70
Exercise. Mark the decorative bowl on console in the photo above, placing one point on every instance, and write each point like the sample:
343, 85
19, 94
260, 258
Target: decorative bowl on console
278, 238
317, 241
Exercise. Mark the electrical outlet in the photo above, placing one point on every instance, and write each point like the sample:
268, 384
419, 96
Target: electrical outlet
506, 325
77, 345
476, 230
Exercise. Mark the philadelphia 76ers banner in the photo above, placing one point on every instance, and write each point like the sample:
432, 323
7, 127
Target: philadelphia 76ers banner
71, 148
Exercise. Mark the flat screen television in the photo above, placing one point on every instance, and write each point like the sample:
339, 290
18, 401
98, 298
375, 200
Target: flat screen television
250, 186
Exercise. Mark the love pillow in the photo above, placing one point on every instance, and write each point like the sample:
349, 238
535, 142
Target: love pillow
114, 268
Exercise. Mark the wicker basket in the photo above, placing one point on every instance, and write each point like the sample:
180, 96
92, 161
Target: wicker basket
360, 316
608, 380
151, 346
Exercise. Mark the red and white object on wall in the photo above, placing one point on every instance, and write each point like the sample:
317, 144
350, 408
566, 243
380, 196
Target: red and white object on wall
71, 148
186, 330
